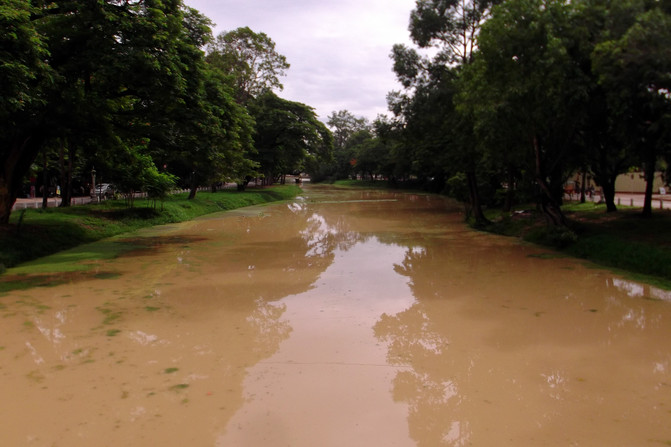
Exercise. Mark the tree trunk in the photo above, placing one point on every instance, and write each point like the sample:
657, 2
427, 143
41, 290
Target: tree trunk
549, 204
66, 175
608, 188
583, 187
45, 179
510, 192
15, 161
243, 184
193, 188
474, 195
649, 180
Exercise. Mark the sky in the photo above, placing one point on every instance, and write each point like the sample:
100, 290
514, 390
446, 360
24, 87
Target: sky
338, 49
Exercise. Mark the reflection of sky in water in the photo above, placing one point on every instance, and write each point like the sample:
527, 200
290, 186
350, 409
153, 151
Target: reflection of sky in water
331, 374
316, 235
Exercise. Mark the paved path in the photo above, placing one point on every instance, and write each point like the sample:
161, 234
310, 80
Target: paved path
659, 201
23, 203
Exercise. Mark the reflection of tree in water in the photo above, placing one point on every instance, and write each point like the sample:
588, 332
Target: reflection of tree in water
269, 330
414, 340
323, 237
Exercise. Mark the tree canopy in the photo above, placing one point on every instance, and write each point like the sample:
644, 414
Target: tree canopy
127, 89
250, 59
518, 95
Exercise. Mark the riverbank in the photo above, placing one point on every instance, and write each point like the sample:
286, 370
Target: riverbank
622, 241
34, 233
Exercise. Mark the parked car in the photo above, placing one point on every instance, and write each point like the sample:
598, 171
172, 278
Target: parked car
105, 190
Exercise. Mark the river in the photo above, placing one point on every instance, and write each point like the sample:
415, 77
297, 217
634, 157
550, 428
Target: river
342, 318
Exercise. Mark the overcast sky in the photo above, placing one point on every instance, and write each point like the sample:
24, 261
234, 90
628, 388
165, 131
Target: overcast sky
338, 49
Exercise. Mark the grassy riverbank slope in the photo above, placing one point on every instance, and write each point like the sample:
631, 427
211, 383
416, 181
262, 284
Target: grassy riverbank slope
41, 232
624, 241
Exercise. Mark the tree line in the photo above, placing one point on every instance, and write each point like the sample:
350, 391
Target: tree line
141, 93
514, 96
502, 101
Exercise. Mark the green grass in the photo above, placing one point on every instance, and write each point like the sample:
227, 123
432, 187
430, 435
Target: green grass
44, 232
625, 241
379, 184
362, 183
622, 241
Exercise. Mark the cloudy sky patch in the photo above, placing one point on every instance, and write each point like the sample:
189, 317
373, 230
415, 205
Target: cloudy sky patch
338, 50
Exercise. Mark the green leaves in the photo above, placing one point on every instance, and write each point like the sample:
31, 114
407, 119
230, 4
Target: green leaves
250, 59
22, 54
287, 133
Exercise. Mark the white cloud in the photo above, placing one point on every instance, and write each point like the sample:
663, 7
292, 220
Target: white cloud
338, 50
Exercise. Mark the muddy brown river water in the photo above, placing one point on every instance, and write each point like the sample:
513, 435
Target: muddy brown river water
343, 318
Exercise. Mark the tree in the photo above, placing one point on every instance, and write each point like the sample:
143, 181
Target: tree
96, 75
218, 147
288, 134
208, 136
601, 152
451, 26
24, 79
526, 85
344, 125
250, 59
634, 69
252, 66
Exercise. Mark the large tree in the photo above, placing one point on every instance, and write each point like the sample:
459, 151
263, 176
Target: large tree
24, 83
344, 125
207, 137
112, 66
250, 59
111, 81
634, 68
526, 85
451, 27
288, 135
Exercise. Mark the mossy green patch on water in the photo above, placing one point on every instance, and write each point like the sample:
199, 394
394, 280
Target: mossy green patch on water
25, 282
32, 303
547, 255
35, 376
179, 387
111, 315
113, 332
170, 370
81, 258
151, 308
107, 275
